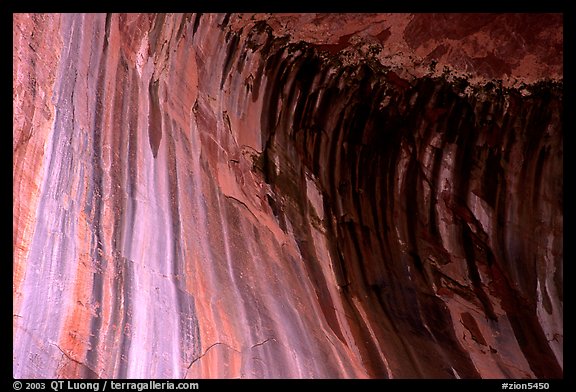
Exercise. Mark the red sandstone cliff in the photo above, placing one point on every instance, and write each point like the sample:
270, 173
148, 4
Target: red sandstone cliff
287, 196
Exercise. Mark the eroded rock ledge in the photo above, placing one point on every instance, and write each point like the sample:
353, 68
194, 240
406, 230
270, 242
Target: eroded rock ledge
226, 196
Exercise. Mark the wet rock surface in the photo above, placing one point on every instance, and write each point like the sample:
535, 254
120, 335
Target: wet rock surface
216, 195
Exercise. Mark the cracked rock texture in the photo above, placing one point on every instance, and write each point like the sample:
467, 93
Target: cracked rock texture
279, 196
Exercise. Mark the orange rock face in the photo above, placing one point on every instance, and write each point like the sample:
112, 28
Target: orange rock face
287, 196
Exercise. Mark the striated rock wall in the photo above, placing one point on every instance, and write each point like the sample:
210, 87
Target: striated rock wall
250, 196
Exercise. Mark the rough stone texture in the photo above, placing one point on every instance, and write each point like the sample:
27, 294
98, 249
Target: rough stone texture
287, 196
513, 48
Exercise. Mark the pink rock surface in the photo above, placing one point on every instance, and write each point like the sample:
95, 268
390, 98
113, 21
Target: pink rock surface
287, 196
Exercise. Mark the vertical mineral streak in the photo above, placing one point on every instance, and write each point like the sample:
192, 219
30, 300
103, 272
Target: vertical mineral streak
281, 196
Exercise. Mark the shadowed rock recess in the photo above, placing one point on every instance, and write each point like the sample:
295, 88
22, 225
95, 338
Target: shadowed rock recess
287, 196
